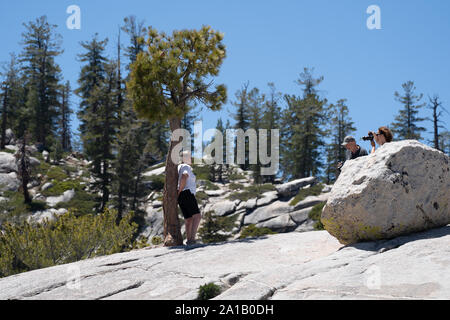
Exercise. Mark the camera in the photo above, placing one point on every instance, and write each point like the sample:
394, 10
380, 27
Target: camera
368, 137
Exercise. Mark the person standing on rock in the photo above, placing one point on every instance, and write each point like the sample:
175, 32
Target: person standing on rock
186, 197
381, 137
353, 150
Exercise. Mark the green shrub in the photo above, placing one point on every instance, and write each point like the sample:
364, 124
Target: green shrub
27, 246
236, 186
59, 187
208, 291
9, 151
201, 196
56, 173
158, 181
314, 190
202, 172
15, 210
213, 225
315, 214
210, 186
140, 243
82, 203
236, 176
156, 240
252, 192
251, 231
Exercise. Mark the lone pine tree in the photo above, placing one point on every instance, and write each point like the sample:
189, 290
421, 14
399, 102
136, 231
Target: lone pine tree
173, 72
406, 122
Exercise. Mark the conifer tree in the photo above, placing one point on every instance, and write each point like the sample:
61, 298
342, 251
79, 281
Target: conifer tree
11, 96
23, 167
241, 117
436, 107
302, 139
41, 47
256, 101
91, 80
172, 73
65, 113
271, 119
406, 122
340, 126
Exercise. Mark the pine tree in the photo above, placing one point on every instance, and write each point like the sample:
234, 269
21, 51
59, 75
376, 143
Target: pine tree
41, 47
437, 109
91, 80
271, 119
303, 121
241, 118
256, 102
406, 122
99, 113
24, 168
11, 96
164, 81
136, 31
340, 126
65, 113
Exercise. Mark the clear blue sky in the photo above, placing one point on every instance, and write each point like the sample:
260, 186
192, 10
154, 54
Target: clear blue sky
271, 41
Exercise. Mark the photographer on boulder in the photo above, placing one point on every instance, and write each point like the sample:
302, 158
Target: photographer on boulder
353, 150
384, 135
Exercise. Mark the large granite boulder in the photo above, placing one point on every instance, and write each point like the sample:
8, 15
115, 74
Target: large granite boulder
403, 187
268, 212
65, 197
291, 188
7, 163
9, 181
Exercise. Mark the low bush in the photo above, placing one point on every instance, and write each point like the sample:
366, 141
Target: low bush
202, 172
314, 190
315, 214
15, 210
59, 187
26, 246
236, 176
56, 173
236, 186
208, 291
212, 227
251, 231
210, 186
252, 192
82, 203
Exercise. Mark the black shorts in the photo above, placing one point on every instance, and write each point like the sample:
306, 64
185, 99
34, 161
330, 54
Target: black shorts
188, 204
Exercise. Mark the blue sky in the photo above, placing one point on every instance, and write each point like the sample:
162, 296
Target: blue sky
272, 41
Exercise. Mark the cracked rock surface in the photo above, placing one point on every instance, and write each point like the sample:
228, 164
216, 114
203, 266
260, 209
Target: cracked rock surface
310, 265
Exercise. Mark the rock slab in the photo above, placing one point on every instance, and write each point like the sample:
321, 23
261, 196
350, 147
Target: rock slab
310, 265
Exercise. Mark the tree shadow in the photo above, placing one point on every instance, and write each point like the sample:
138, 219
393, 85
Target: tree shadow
388, 244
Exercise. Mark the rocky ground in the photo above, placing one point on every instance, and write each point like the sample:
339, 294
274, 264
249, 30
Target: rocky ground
272, 209
309, 265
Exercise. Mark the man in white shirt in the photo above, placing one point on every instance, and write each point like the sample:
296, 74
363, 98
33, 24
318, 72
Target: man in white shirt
186, 197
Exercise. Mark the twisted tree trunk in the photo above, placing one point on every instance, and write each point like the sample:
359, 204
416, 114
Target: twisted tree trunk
172, 231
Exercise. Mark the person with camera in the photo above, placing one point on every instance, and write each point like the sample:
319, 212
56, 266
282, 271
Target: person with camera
353, 150
384, 135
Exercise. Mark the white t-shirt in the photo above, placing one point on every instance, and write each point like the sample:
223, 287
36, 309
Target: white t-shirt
190, 182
